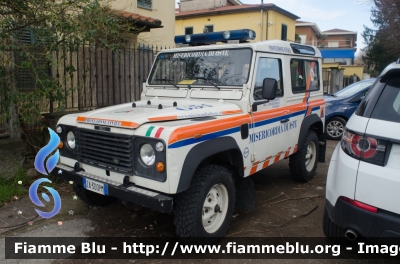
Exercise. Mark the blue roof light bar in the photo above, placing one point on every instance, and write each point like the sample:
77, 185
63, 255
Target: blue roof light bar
242, 35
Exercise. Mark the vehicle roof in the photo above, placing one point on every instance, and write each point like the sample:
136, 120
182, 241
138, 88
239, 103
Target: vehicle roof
392, 66
270, 46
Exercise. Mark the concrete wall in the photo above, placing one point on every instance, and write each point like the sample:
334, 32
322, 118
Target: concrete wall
163, 10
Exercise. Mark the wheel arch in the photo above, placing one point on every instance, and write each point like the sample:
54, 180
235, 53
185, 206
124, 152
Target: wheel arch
223, 151
341, 116
313, 122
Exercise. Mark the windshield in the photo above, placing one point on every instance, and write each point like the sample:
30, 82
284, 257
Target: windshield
228, 67
354, 88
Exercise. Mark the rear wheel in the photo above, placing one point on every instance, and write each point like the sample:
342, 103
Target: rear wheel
303, 163
206, 208
335, 127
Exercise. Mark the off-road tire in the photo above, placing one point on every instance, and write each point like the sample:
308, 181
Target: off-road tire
335, 121
332, 230
188, 206
92, 198
297, 161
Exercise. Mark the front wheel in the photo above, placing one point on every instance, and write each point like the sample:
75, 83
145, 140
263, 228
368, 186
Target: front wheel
303, 163
206, 208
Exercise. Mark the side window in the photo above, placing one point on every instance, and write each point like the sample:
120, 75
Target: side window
268, 68
304, 76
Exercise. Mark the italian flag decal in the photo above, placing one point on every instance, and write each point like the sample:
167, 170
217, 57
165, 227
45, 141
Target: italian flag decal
154, 131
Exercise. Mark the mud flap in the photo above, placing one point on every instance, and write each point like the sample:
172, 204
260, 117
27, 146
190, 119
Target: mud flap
322, 148
244, 195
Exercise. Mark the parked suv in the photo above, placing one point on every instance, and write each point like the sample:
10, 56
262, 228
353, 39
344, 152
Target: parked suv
208, 118
362, 192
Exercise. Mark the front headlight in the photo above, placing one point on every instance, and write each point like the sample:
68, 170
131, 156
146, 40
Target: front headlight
71, 140
147, 154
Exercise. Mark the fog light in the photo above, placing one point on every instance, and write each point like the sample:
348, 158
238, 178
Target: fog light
160, 166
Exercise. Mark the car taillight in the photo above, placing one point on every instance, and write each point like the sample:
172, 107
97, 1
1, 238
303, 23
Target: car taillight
368, 149
360, 205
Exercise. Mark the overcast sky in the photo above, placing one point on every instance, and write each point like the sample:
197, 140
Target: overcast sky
343, 14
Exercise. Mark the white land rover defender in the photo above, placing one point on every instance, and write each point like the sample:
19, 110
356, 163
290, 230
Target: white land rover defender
209, 116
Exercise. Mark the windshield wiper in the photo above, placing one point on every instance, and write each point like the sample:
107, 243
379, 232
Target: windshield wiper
208, 80
168, 80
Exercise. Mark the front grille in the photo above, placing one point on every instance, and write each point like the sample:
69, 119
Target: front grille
105, 150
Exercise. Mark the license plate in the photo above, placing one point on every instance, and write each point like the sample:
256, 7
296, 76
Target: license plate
95, 186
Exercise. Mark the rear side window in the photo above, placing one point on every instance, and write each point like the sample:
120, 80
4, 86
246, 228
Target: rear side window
304, 75
388, 106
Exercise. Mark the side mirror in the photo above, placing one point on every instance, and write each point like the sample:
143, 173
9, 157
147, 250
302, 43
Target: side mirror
269, 88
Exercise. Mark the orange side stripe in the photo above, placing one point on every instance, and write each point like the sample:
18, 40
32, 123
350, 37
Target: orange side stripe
208, 127
217, 125
231, 112
162, 118
82, 119
295, 149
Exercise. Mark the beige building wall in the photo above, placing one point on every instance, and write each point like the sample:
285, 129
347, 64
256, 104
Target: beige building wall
221, 22
163, 10
240, 20
275, 21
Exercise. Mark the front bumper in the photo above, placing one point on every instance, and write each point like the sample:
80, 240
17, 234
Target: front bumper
130, 193
375, 226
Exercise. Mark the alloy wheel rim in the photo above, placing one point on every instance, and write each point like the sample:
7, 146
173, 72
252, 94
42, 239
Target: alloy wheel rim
335, 129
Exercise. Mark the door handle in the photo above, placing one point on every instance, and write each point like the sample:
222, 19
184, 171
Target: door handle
285, 120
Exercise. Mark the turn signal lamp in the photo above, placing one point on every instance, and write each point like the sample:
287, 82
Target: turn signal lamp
160, 166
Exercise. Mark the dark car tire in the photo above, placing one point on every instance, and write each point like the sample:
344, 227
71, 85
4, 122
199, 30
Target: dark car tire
209, 184
302, 168
92, 198
332, 230
334, 128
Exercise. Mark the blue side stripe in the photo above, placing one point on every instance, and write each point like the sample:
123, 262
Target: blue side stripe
190, 141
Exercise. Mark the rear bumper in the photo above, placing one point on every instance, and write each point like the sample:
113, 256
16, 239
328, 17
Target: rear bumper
129, 193
375, 226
